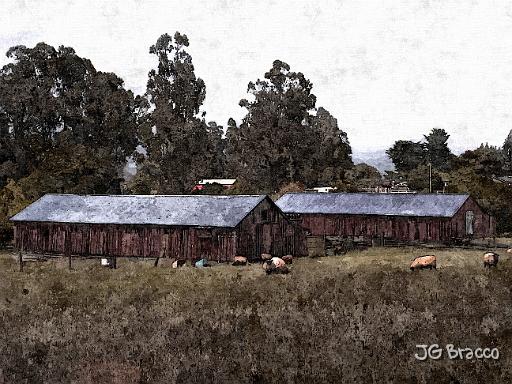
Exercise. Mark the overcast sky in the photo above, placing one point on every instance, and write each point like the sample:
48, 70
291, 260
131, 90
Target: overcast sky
386, 70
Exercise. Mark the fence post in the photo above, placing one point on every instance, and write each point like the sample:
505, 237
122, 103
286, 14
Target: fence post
20, 257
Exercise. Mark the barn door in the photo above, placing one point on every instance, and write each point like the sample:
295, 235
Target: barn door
205, 246
470, 219
259, 241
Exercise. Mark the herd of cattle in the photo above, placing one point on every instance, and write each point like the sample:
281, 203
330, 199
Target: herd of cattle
270, 264
279, 265
430, 261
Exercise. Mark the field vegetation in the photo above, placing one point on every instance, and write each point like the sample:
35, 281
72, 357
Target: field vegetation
355, 318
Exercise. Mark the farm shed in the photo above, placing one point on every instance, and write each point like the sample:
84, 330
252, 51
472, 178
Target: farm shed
180, 227
406, 218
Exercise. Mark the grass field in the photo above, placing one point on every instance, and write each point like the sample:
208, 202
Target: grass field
352, 318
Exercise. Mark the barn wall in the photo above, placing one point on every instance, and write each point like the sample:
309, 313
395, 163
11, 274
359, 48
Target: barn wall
401, 228
484, 224
406, 229
126, 240
267, 230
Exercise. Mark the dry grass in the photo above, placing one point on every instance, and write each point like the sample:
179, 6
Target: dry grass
353, 318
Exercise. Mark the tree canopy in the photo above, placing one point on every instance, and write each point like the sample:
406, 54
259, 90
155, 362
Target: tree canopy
180, 147
63, 121
281, 140
407, 155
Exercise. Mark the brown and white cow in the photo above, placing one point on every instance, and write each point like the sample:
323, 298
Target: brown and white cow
509, 250
491, 259
275, 265
239, 260
421, 262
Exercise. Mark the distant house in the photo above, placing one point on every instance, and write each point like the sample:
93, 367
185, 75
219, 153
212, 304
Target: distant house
226, 183
388, 186
181, 227
400, 217
321, 189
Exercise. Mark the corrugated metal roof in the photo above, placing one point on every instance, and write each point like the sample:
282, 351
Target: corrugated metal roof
431, 205
187, 210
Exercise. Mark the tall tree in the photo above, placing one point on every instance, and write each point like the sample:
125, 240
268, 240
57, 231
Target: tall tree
279, 140
56, 108
438, 153
333, 156
232, 150
407, 155
507, 151
64, 127
180, 147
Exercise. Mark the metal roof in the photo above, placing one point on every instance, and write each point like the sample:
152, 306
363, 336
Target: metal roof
427, 205
186, 210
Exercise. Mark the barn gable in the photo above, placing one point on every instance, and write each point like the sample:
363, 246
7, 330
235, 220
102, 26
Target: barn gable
417, 205
167, 210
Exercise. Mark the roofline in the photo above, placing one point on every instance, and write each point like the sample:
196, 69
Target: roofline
16, 214
177, 195
468, 196
474, 201
374, 193
366, 214
134, 224
253, 208
261, 198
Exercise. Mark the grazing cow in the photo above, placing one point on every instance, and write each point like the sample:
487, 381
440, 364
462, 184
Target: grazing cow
421, 262
491, 259
275, 265
288, 259
178, 263
239, 260
266, 256
509, 250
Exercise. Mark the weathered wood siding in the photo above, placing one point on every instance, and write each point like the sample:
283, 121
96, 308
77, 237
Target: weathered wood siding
484, 225
265, 229
400, 228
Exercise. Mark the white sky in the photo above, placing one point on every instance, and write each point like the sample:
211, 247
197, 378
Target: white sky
387, 70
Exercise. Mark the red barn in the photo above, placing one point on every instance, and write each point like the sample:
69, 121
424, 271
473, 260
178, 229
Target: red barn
406, 218
180, 227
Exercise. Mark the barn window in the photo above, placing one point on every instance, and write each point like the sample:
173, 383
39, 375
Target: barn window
265, 215
470, 220
429, 230
294, 216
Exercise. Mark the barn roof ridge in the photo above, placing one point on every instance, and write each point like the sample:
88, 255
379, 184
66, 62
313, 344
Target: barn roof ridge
380, 204
376, 194
170, 210
175, 195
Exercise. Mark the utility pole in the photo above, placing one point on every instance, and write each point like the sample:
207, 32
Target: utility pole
430, 176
